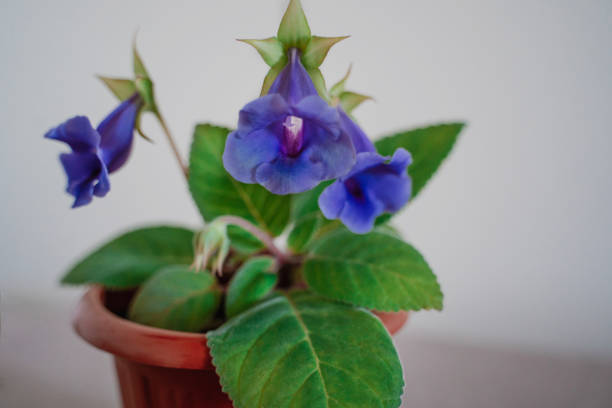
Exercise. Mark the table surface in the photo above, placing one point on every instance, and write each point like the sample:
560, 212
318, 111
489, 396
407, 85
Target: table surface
44, 364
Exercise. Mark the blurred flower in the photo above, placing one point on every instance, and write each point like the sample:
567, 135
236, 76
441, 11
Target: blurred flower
290, 139
96, 152
376, 184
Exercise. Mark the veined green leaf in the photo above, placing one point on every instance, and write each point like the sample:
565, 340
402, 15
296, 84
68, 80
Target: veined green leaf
303, 231
428, 146
216, 193
252, 282
376, 271
307, 218
300, 350
177, 298
243, 241
130, 259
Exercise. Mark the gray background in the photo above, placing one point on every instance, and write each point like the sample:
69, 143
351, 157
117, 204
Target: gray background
516, 224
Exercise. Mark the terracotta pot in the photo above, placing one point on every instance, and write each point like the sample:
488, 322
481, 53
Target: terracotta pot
159, 368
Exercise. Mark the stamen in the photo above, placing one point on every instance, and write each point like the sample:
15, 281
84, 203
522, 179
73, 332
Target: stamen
293, 135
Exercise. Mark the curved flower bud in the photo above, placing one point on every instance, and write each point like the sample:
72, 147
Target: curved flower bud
375, 185
96, 152
290, 139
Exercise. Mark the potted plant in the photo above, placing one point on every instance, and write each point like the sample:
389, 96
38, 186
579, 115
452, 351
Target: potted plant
226, 315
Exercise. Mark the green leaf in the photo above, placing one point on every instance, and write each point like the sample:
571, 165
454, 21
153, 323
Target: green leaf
429, 147
308, 218
303, 231
376, 271
270, 49
177, 298
299, 350
129, 260
121, 88
350, 100
317, 50
243, 241
389, 230
217, 193
294, 30
252, 283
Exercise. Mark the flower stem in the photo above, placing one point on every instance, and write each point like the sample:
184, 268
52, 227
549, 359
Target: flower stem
173, 146
262, 235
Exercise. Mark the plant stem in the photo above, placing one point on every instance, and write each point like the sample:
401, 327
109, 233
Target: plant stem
262, 235
164, 126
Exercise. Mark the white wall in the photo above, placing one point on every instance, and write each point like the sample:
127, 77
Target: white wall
517, 224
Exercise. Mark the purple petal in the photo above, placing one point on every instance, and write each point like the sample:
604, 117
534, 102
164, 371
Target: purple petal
103, 186
316, 110
243, 153
77, 133
262, 112
333, 151
332, 200
293, 82
117, 133
391, 190
290, 175
400, 161
359, 215
86, 175
363, 162
360, 140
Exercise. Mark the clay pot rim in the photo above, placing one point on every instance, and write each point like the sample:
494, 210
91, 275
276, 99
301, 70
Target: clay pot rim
158, 347
144, 344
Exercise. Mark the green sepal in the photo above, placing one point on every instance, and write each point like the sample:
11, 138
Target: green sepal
145, 89
212, 245
272, 74
294, 31
346, 99
337, 89
139, 69
253, 282
350, 100
177, 298
270, 49
138, 127
317, 50
319, 83
120, 87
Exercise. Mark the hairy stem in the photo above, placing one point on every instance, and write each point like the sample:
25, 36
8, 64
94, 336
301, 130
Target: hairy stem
262, 235
173, 146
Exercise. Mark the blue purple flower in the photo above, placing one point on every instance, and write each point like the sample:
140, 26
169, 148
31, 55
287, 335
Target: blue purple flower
96, 152
290, 139
375, 185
